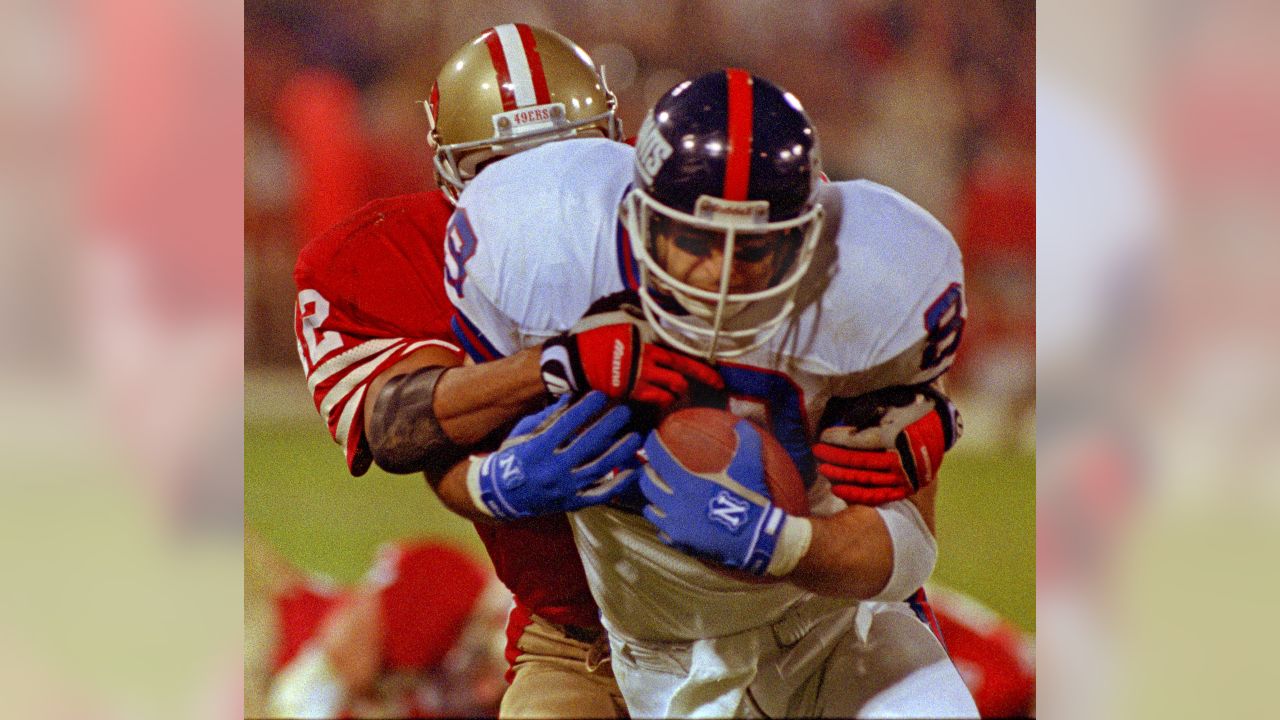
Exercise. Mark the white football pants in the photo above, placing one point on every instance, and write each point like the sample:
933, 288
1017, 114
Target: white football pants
824, 657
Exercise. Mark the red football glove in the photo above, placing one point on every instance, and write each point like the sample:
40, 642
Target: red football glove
886, 445
613, 352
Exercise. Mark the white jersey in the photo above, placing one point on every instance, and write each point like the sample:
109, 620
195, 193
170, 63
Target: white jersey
536, 239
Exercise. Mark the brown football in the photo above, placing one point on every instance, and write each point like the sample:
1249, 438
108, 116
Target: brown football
703, 440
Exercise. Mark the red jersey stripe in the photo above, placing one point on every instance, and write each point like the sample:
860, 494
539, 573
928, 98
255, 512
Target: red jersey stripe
737, 169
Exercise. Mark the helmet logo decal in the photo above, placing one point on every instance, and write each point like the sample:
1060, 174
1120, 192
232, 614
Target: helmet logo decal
730, 212
528, 120
652, 150
518, 65
737, 170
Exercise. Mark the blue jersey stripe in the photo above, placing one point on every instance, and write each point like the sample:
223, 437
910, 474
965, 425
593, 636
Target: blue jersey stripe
472, 340
919, 603
628, 271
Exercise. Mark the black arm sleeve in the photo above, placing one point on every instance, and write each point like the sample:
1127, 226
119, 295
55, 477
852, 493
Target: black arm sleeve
404, 434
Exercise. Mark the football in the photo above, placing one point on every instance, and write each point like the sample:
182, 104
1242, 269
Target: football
703, 440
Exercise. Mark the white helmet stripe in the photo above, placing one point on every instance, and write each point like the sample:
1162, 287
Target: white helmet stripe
517, 65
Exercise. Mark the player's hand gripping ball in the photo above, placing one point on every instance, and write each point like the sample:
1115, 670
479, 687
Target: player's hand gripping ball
721, 489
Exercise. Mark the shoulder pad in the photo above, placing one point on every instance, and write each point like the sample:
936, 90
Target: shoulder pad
537, 234
893, 265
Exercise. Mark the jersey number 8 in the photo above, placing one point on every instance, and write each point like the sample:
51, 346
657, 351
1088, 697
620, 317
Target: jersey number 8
944, 324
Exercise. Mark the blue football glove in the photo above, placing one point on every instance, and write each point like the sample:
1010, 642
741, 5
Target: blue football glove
727, 517
558, 460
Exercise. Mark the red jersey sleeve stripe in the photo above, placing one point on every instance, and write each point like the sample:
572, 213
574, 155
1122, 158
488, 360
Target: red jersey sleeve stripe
351, 380
499, 59
542, 95
342, 431
347, 359
354, 355
737, 170
359, 375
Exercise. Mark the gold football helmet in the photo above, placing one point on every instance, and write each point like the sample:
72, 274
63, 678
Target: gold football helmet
512, 88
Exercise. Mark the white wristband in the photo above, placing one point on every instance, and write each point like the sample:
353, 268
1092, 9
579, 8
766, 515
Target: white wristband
793, 543
915, 551
473, 483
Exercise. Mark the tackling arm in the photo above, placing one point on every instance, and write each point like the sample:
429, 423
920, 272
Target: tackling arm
429, 417
469, 402
429, 411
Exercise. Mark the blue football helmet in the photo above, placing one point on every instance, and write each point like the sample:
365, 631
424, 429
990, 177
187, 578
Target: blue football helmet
726, 164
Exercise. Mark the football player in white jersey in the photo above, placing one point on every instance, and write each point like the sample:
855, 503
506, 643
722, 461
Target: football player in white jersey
840, 306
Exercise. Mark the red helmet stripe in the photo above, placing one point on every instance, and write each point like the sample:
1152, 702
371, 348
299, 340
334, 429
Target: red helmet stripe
737, 169
499, 60
535, 64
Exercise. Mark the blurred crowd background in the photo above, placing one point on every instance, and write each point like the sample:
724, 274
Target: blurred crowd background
935, 98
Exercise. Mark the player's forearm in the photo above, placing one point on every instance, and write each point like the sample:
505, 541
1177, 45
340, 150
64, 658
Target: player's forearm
454, 492
427, 412
880, 553
474, 400
850, 554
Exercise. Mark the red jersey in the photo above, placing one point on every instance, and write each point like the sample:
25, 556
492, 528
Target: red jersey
995, 658
370, 292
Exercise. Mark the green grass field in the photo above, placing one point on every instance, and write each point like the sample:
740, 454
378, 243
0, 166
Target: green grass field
299, 496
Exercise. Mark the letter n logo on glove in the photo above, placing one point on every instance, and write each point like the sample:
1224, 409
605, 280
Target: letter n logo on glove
727, 510
509, 467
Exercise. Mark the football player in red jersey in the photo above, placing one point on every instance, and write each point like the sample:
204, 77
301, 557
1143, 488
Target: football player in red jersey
377, 343
399, 643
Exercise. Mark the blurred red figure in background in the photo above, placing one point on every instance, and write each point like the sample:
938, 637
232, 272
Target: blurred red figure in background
994, 657
319, 111
420, 635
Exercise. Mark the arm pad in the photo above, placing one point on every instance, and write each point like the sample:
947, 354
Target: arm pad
914, 550
404, 435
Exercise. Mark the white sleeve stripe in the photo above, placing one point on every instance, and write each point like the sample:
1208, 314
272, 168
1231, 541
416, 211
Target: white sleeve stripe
343, 428
351, 357
348, 358
362, 373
